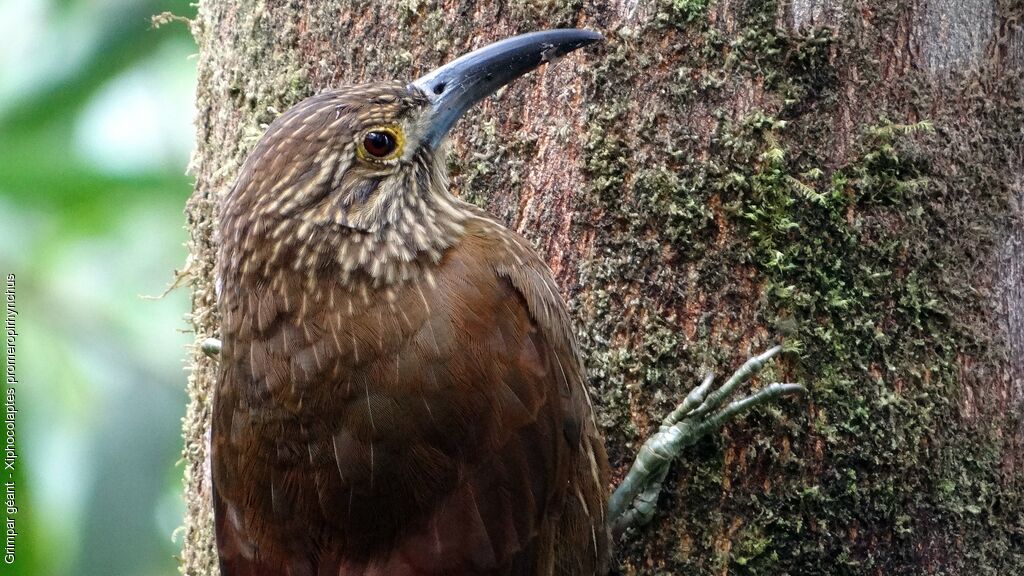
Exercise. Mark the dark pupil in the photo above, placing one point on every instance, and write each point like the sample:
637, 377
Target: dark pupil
379, 144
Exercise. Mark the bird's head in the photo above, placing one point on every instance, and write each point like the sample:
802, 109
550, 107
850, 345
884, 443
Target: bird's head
368, 161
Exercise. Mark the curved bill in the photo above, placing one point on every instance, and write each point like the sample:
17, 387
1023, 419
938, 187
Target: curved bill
457, 86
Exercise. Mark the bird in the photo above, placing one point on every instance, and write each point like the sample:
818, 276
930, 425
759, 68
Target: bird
400, 390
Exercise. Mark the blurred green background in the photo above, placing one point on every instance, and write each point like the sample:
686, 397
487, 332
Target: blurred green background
95, 134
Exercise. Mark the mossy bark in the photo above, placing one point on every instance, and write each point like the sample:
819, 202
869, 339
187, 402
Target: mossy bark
844, 176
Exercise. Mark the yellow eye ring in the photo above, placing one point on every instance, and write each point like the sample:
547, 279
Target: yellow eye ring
381, 143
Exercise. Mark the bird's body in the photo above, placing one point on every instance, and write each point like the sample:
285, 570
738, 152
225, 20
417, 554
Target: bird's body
400, 391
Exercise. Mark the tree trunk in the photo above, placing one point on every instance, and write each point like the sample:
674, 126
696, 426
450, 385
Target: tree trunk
843, 176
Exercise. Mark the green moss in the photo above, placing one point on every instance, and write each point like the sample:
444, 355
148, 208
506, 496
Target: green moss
865, 259
685, 11
750, 548
410, 10
667, 196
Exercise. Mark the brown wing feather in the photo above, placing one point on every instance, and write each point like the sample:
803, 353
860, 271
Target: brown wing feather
439, 429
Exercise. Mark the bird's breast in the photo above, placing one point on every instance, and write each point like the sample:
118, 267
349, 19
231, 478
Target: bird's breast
347, 406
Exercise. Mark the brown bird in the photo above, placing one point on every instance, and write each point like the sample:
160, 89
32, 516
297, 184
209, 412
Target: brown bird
400, 390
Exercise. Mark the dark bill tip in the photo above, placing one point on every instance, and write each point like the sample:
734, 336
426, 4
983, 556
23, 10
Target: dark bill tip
455, 87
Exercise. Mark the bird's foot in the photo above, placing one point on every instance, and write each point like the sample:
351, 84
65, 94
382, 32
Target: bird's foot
211, 347
634, 502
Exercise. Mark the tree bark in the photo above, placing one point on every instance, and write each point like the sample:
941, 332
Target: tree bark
843, 176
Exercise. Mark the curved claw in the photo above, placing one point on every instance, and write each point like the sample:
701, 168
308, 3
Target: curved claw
634, 501
750, 367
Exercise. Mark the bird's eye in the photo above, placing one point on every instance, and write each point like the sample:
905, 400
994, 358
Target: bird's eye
380, 143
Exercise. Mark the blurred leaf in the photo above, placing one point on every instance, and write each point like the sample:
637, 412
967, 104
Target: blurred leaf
100, 369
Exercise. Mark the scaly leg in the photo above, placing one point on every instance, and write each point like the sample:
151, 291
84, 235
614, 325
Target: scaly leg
634, 502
